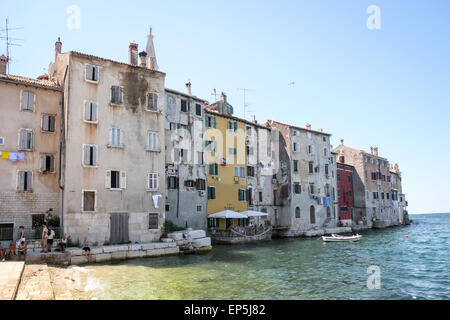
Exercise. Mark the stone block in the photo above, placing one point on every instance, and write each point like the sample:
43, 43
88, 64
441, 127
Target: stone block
103, 257
195, 234
176, 236
76, 252
111, 249
167, 240
96, 250
203, 242
133, 254
182, 242
172, 245
155, 253
135, 247
75, 260
119, 255
161, 245
174, 250
148, 246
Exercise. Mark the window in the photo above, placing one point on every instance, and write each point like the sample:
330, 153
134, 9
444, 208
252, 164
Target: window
6, 232
183, 105
199, 208
232, 126
383, 177
153, 221
326, 170
90, 111
211, 193
210, 145
213, 169
297, 212
27, 101
153, 181
311, 188
189, 183
47, 163
152, 102
200, 157
152, 142
25, 139
48, 123
116, 95
388, 178
324, 139
310, 149
242, 194
242, 172
349, 179
90, 155
325, 152
37, 220
172, 182
311, 167
349, 193
339, 192
172, 126
210, 122
260, 197
382, 195
250, 171
115, 179
338, 177
198, 109
24, 180
312, 215
115, 137
167, 207
232, 151
297, 188
89, 200
91, 73
2, 141
250, 196
294, 147
387, 195
200, 184
328, 212
375, 195
236, 171
295, 165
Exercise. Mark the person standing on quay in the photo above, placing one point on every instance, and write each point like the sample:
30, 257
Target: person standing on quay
44, 237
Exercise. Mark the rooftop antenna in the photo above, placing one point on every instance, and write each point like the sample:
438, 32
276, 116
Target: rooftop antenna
9, 42
245, 104
214, 94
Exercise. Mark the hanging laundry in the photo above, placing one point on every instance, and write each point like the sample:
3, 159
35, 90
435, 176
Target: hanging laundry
5, 155
155, 200
21, 156
14, 156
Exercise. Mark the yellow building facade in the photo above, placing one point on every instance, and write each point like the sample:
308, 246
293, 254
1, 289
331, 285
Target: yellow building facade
225, 150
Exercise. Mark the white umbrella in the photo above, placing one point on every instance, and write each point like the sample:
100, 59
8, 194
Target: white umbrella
251, 213
228, 214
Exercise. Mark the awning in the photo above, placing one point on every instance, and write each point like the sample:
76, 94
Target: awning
251, 213
227, 214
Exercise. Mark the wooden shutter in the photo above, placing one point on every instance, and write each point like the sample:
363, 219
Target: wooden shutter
52, 120
86, 154
87, 72
87, 111
215, 122
94, 155
96, 73
93, 111
29, 175
108, 179
22, 139
20, 180
23, 100
123, 179
46, 124
43, 162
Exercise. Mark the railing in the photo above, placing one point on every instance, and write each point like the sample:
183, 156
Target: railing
239, 232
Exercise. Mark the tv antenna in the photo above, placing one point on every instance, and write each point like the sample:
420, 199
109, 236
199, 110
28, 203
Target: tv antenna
214, 93
9, 42
245, 103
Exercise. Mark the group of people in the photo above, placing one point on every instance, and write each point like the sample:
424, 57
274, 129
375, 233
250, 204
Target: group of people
20, 245
48, 235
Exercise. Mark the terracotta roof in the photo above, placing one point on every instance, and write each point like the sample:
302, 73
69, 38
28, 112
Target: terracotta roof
48, 84
208, 110
300, 128
362, 151
89, 56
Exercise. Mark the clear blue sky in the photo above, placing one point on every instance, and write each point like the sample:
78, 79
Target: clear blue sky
387, 87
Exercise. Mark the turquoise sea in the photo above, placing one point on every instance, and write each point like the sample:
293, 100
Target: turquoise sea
413, 267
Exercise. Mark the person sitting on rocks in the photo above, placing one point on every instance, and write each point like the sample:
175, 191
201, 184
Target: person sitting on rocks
22, 250
85, 248
63, 244
12, 250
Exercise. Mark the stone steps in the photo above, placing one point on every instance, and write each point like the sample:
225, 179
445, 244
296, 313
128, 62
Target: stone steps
35, 284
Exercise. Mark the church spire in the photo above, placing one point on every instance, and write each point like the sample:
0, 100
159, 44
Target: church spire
151, 56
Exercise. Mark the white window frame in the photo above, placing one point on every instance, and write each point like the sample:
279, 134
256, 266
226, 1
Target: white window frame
97, 68
42, 122
32, 139
82, 155
111, 138
34, 101
122, 180
82, 199
84, 111
150, 177
40, 159
31, 180
157, 102
157, 149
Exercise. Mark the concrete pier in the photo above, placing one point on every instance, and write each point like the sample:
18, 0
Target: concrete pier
10, 275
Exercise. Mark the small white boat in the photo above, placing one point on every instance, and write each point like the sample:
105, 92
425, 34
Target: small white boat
337, 238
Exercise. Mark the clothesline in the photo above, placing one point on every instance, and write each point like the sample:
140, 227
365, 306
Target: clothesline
12, 156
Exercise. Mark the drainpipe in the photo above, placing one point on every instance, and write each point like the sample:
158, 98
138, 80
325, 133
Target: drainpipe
62, 148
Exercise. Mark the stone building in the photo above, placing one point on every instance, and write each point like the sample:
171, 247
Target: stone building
113, 184
186, 197
30, 128
372, 186
345, 193
399, 202
306, 181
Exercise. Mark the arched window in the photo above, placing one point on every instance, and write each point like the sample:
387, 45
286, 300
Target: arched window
297, 212
312, 215
328, 212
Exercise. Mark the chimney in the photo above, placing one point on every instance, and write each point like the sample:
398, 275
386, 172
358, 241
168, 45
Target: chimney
3, 63
375, 150
308, 126
188, 88
133, 54
396, 168
143, 58
320, 130
58, 47
342, 141
371, 150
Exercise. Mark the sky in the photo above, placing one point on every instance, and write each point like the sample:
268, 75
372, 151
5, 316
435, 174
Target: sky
387, 87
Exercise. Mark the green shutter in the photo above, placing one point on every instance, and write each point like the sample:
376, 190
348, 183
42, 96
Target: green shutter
235, 126
215, 123
216, 167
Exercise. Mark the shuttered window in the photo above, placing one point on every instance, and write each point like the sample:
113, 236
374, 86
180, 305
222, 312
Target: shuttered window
90, 111
200, 184
295, 165
27, 101
152, 102
48, 123
25, 139
172, 182
24, 180
213, 169
242, 195
116, 95
152, 181
90, 155
297, 188
250, 171
115, 137
242, 172
47, 163
198, 109
153, 221
183, 105
211, 193
152, 142
91, 73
